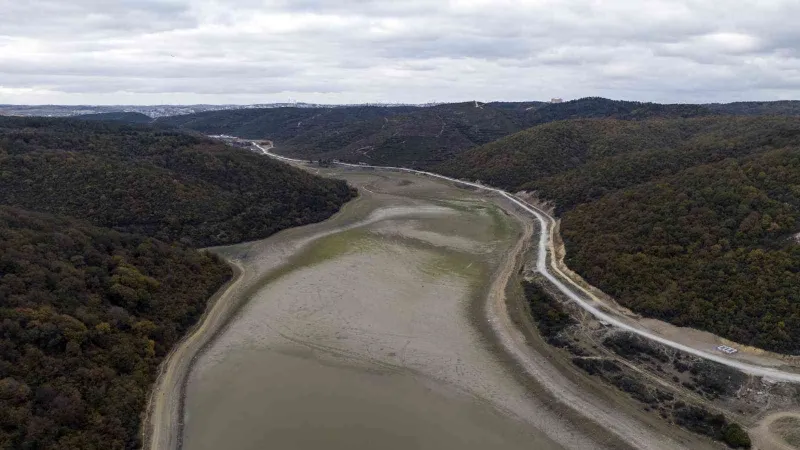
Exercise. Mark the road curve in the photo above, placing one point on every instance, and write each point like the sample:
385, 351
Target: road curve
576, 293
765, 438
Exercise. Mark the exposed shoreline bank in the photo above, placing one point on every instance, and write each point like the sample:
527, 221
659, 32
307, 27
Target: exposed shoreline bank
552, 392
165, 402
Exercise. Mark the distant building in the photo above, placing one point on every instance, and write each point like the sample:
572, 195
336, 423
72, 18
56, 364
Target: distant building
556, 100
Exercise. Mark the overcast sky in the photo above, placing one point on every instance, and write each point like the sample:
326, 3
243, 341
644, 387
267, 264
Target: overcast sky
415, 51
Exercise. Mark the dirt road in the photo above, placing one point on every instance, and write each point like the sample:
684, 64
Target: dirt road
607, 416
583, 297
765, 437
565, 425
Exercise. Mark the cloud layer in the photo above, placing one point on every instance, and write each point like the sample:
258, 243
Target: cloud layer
353, 51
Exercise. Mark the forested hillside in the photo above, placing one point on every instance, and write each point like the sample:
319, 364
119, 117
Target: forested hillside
281, 124
711, 247
124, 117
86, 315
159, 183
423, 136
580, 160
598, 107
780, 108
405, 135
687, 220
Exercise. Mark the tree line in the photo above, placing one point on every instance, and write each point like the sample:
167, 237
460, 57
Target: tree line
103, 279
692, 221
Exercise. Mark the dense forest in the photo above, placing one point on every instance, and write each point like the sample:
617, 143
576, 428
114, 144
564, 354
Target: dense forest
125, 117
424, 136
692, 221
159, 183
403, 135
99, 284
783, 108
711, 247
86, 315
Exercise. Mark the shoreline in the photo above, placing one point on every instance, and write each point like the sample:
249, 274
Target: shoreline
599, 409
562, 392
498, 316
164, 398
166, 404
743, 361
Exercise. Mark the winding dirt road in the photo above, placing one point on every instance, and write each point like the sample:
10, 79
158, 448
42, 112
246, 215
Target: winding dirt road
575, 292
567, 392
765, 438
163, 423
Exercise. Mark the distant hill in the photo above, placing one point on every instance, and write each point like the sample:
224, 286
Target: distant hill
686, 220
125, 117
598, 107
280, 124
417, 136
580, 160
778, 108
408, 135
159, 183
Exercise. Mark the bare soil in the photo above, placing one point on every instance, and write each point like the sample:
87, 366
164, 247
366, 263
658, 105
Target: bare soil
400, 282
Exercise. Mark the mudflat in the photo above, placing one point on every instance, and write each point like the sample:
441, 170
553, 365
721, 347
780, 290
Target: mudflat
271, 399
365, 332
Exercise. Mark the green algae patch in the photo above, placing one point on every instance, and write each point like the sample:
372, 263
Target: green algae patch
334, 246
325, 249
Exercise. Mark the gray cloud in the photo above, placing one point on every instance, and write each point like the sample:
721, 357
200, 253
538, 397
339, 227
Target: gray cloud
249, 51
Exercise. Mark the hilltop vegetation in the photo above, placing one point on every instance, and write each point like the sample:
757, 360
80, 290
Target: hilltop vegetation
280, 124
408, 135
598, 107
581, 160
686, 220
778, 108
125, 117
709, 248
159, 183
86, 316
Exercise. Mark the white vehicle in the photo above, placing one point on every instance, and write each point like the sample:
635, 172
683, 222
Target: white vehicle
726, 349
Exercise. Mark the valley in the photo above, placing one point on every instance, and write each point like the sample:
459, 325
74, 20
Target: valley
689, 343
400, 225
603, 304
404, 288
